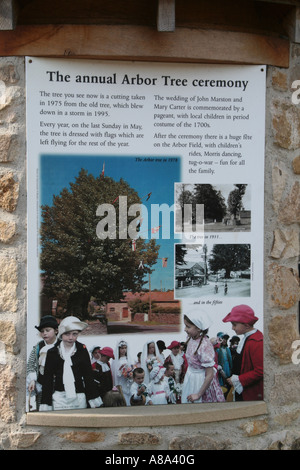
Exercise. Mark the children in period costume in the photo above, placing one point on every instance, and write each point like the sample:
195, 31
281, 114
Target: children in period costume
95, 354
174, 389
200, 381
178, 359
247, 377
224, 359
36, 362
158, 389
234, 342
111, 395
68, 381
122, 369
102, 371
138, 390
150, 358
161, 348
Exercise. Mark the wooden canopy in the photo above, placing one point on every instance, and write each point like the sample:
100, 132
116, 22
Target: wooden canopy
227, 31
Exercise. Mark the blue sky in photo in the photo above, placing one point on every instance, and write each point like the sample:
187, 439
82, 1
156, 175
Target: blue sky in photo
157, 176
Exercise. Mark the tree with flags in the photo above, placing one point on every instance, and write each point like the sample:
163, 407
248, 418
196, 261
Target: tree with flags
75, 264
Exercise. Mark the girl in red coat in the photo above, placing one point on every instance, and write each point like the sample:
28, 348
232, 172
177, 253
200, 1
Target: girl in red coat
247, 378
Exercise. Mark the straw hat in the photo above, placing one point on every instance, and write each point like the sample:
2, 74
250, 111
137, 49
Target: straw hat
70, 324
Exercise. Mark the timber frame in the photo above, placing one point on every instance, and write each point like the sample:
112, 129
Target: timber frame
215, 31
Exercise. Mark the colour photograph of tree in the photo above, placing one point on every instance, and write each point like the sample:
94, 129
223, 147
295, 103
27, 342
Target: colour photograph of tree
76, 263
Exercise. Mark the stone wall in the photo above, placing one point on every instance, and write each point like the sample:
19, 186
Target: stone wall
279, 429
161, 318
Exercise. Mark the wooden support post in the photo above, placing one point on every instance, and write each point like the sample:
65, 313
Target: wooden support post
292, 24
166, 15
8, 14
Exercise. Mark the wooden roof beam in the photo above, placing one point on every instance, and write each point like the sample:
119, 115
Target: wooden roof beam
166, 15
120, 42
8, 14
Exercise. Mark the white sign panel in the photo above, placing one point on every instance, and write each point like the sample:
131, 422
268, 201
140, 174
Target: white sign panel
145, 204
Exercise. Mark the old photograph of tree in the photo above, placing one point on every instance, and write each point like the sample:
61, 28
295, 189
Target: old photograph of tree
227, 207
218, 271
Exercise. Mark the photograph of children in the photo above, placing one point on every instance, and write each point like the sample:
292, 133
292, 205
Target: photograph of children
198, 365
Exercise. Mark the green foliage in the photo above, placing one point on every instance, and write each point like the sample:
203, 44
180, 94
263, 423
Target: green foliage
76, 264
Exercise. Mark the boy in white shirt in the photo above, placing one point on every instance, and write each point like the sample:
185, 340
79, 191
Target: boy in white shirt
138, 390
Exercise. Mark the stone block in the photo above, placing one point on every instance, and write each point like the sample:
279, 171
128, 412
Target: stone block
285, 244
286, 125
256, 427
279, 179
285, 440
5, 143
9, 192
23, 440
9, 73
287, 419
83, 436
8, 335
296, 165
279, 80
283, 331
138, 438
289, 211
8, 284
200, 442
7, 231
285, 390
283, 286
7, 394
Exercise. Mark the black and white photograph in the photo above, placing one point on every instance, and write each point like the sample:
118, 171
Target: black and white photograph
213, 207
220, 270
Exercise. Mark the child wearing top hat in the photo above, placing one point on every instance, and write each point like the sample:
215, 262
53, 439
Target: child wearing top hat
68, 381
36, 361
247, 378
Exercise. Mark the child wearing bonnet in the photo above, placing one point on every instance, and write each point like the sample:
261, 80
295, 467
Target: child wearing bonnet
200, 382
